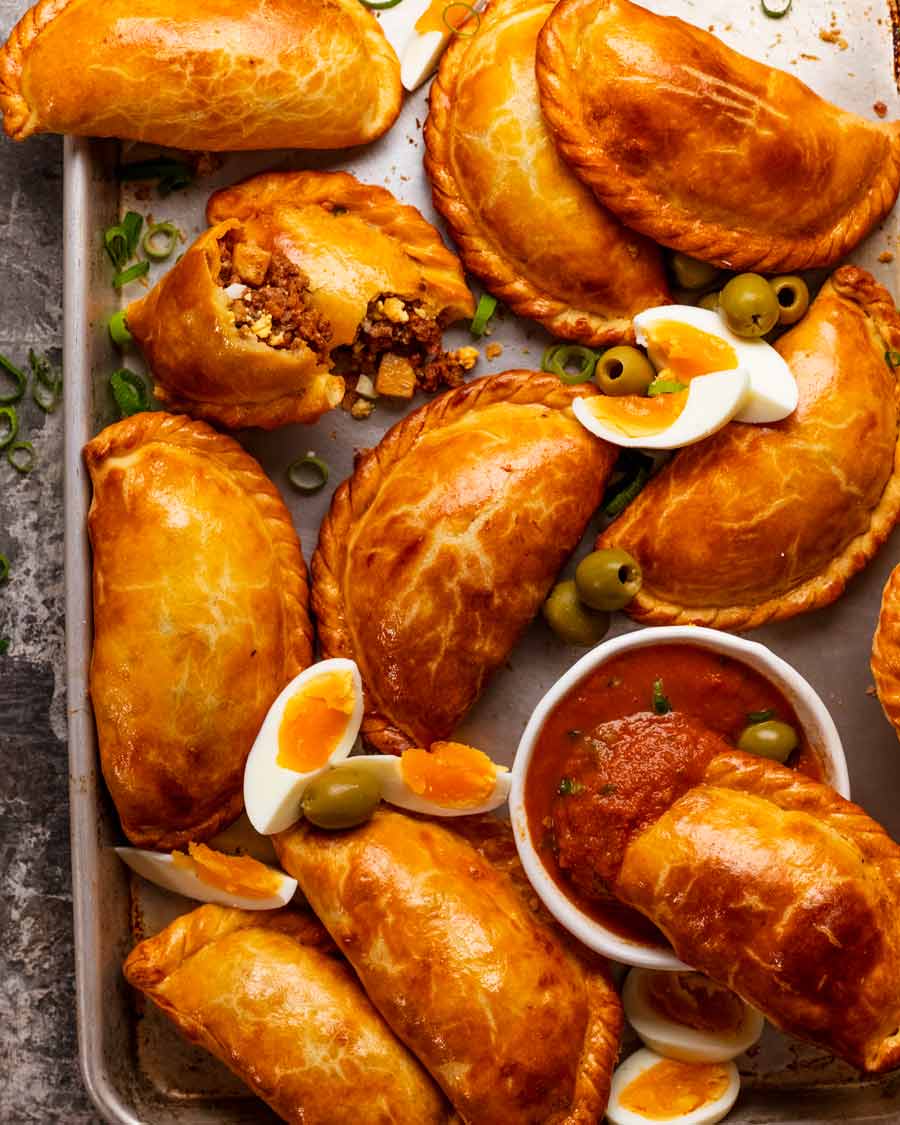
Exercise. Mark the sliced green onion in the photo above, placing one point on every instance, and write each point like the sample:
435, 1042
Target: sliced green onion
158, 168
47, 398
755, 717
776, 9
308, 474
892, 359
569, 787
557, 359
665, 387
21, 456
379, 5
151, 246
118, 329
121, 240
617, 500
18, 376
661, 704
457, 30
4, 646
43, 371
129, 391
4, 568
11, 418
487, 306
139, 269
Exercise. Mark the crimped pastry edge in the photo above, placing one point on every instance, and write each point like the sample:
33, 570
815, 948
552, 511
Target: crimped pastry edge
885, 661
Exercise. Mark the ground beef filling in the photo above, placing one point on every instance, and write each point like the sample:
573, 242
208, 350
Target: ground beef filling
274, 306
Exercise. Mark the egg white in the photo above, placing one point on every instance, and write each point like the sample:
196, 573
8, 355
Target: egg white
642, 1060
773, 392
271, 792
676, 1040
394, 790
419, 53
160, 868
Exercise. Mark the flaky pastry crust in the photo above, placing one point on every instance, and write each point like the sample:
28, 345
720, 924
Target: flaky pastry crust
760, 523
707, 151
205, 74
886, 651
196, 629
267, 994
440, 548
514, 1026
523, 222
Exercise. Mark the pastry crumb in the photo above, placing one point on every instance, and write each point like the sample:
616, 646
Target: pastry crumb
492, 351
881, 109
832, 35
886, 256
466, 357
362, 408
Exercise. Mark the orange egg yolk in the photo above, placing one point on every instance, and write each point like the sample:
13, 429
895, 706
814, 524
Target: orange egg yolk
671, 1089
314, 721
234, 874
695, 1001
450, 774
439, 14
680, 353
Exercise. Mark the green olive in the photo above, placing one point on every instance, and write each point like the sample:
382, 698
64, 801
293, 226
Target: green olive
624, 371
709, 301
608, 580
792, 294
341, 798
691, 273
572, 621
750, 306
771, 739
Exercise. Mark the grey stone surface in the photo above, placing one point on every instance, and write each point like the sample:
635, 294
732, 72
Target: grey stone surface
39, 1077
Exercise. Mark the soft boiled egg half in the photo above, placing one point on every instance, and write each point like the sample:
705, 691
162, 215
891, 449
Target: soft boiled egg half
718, 377
686, 1016
650, 1090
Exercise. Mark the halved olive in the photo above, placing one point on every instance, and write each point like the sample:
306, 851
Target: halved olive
750, 305
792, 294
772, 739
691, 273
709, 301
608, 580
624, 371
341, 798
572, 621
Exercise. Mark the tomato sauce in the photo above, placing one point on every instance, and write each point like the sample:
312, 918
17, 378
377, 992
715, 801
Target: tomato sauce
715, 691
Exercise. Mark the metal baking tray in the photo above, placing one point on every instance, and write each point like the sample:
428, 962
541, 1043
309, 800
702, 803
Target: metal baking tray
135, 1067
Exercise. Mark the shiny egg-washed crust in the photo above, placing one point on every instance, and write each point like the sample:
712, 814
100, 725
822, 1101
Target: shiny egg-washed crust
204, 366
774, 885
523, 222
440, 548
196, 629
268, 995
201, 74
704, 150
515, 1026
886, 651
760, 523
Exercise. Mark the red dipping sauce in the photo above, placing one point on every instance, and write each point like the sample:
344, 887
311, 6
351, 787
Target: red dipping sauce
716, 691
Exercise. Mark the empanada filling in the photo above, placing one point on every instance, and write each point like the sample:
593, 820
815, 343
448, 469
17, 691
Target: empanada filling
269, 298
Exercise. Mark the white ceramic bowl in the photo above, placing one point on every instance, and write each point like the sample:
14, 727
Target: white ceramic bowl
811, 713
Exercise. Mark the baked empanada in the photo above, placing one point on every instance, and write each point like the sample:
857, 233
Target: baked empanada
267, 993
200, 619
523, 222
705, 150
441, 546
763, 879
886, 651
201, 74
512, 1025
761, 522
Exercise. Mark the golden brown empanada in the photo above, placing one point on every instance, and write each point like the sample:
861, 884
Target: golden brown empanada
763, 879
705, 150
524, 223
761, 522
886, 651
440, 548
200, 619
267, 994
201, 74
513, 1025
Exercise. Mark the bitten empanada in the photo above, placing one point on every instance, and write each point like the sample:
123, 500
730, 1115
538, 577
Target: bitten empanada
268, 994
514, 1026
765, 880
200, 619
201, 74
523, 221
707, 151
761, 522
441, 546
886, 651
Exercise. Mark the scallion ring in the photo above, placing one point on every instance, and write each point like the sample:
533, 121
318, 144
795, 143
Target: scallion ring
139, 269
10, 418
456, 29
19, 378
43, 371
4, 568
121, 240
661, 704
160, 240
379, 5
630, 489
487, 306
129, 391
308, 474
22, 464
118, 329
776, 9
892, 359
556, 360
44, 396
665, 387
